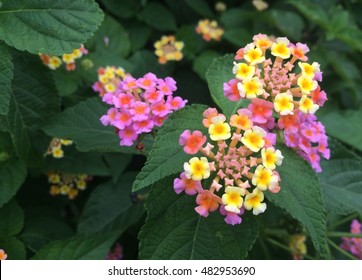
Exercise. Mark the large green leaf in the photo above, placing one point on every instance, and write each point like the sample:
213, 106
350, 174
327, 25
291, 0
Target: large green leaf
33, 101
158, 16
6, 75
301, 196
341, 180
201, 7
14, 248
11, 219
220, 72
82, 125
117, 163
123, 9
52, 27
345, 126
173, 229
312, 11
36, 235
167, 156
203, 61
288, 23
77, 248
106, 203
12, 176
111, 37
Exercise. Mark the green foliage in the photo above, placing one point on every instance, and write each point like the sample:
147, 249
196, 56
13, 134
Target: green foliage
107, 204
158, 16
6, 75
77, 248
81, 124
167, 156
220, 71
52, 27
203, 61
12, 176
11, 219
301, 196
180, 233
345, 126
342, 181
32, 102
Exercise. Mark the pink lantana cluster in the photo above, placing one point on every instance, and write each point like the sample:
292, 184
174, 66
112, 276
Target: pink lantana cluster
240, 160
276, 86
139, 105
353, 244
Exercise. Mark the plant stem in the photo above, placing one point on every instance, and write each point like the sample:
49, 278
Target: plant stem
344, 220
345, 253
343, 234
282, 246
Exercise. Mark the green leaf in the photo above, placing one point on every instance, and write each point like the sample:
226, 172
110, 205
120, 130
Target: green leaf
345, 126
76, 163
167, 156
11, 219
105, 204
288, 23
111, 37
203, 61
139, 33
219, 72
77, 248
33, 101
193, 41
158, 16
117, 163
234, 18
123, 9
201, 7
14, 248
12, 176
312, 11
341, 180
82, 125
301, 196
351, 36
6, 75
36, 234
237, 36
46, 26
173, 229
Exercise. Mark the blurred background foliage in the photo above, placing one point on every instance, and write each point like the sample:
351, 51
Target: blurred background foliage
34, 224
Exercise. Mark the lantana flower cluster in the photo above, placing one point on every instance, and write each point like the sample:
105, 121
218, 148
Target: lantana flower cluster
69, 59
278, 87
108, 79
298, 246
116, 253
140, 105
67, 184
353, 244
238, 164
209, 30
168, 49
55, 147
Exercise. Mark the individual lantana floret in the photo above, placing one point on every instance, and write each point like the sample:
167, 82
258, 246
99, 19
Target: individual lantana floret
239, 161
168, 49
209, 30
55, 147
282, 96
3, 255
108, 79
67, 184
69, 59
140, 105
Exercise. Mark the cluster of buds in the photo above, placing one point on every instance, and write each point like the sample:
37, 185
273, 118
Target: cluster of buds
54, 62
3, 255
293, 94
109, 79
55, 147
139, 105
209, 30
240, 160
168, 49
353, 244
67, 184
116, 253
